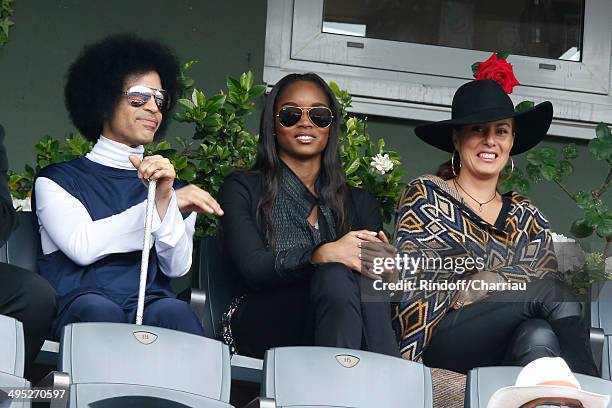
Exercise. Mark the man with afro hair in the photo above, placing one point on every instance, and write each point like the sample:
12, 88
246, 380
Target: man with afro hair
120, 93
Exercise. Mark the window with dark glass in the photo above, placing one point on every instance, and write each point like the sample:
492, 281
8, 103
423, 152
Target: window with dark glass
536, 28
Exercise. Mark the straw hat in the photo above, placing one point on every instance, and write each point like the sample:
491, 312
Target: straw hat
546, 377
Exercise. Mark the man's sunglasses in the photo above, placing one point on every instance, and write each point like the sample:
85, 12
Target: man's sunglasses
320, 116
138, 95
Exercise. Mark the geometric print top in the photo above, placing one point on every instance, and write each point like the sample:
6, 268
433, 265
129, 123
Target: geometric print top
434, 222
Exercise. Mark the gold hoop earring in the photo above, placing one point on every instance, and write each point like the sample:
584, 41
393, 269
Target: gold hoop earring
453, 164
511, 169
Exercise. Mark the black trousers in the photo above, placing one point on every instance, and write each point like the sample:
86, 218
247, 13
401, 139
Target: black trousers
514, 328
327, 310
29, 298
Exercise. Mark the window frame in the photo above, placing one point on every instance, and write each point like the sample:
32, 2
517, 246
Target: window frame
580, 91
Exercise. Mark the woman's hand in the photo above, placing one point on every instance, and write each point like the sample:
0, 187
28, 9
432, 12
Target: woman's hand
382, 250
157, 168
193, 198
468, 296
345, 250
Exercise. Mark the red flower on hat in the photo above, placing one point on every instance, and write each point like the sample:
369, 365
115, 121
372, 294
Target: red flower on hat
497, 69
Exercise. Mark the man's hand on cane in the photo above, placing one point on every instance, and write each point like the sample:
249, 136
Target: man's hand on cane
188, 198
157, 168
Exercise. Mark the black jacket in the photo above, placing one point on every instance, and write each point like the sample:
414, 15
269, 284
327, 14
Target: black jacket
8, 218
244, 241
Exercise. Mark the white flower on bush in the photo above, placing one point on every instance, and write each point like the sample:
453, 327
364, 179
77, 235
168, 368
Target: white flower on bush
22, 204
382, 164
561, 238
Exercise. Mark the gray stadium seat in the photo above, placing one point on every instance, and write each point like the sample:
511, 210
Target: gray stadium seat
11, 360
302, 377
483, 382
601, 318
214, 278
123, 365
23, 247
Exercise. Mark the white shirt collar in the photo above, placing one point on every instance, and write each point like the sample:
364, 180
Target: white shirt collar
114, 154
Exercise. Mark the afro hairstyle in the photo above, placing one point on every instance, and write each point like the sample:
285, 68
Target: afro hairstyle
95, 80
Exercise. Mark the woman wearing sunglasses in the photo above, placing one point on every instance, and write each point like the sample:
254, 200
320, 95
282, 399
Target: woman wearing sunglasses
292, 230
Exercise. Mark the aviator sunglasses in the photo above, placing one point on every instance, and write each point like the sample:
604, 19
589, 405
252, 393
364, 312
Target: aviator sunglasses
138, 95
320, 116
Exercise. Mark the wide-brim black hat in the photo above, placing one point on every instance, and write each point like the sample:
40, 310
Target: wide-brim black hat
485, 101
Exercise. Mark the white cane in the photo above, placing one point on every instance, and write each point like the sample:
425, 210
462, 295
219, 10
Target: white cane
144, 264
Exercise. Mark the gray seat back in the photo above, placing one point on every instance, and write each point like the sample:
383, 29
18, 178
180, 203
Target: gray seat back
11, 360
11, 346
214, 278
484, 381
336, 377
23, 246
600, 309
128, 362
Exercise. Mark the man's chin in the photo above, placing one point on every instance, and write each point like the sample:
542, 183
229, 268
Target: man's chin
144, 137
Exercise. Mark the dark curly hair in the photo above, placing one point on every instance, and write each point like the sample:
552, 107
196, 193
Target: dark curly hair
95, 80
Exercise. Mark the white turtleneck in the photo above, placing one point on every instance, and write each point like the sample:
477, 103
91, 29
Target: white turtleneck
85, 241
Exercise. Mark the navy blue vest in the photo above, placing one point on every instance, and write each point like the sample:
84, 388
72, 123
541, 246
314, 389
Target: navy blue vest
104, 191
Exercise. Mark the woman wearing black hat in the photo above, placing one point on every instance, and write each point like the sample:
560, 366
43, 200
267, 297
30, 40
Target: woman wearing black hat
509, 306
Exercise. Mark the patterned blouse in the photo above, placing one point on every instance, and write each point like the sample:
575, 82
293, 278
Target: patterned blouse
433, 223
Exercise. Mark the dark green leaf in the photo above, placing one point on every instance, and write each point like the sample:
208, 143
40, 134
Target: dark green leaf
534, 173
549, 172
180, 163
505, 186
583, 200
580, 230
186, 103
502, 54
194, 97
246, 80
591, 217
232, 84
524, 106
602, 150
565, 168
188, 174
522, 186
569, 151
215, 103
604, 227
475, 67
603, 132
352, 168
335, 88
257, 90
